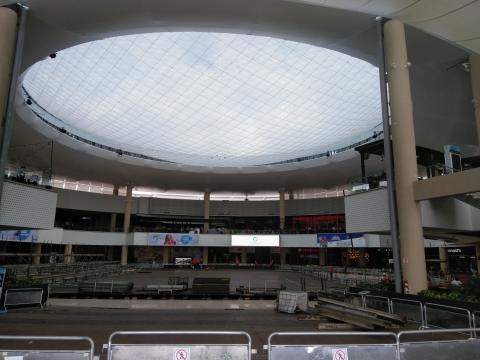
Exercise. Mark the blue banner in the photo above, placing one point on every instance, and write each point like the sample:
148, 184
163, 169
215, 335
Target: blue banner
19, 235
172, 239
3, 272
328, 239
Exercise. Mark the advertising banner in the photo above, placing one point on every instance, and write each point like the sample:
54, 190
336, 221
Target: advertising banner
340, 239
172, 239
19, 235
255, 240
3, 271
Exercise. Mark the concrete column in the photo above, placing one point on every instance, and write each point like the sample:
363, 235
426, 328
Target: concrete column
37, 249
166, 255
8, 36
443, 257
475, 79
361, 259
404, 154
206, 211
477, 254
322, 256
282, 209
283, 256
291, 195
68, 252
205, 255
243, 259
113, 218
126, 222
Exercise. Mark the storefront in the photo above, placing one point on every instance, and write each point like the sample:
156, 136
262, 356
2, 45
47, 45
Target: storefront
462, 260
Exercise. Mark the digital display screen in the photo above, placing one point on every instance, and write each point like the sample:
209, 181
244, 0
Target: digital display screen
255, 240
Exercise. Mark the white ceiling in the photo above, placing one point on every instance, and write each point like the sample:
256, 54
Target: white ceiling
57, 24
208, 99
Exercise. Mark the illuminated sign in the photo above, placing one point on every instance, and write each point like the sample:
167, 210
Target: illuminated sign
255, 240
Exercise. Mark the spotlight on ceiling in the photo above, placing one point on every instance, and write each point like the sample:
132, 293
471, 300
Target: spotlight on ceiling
53, 55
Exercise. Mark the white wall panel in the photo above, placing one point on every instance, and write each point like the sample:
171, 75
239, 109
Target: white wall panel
175, 207
54, 236
27, 207
450, 213
215, 240
309, 240
93, 238
333, 205
80, 200
367, 211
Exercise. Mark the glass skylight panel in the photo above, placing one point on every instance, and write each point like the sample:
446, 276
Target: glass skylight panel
209, 99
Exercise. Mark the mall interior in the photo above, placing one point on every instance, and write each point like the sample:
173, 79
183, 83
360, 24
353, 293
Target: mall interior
262, 142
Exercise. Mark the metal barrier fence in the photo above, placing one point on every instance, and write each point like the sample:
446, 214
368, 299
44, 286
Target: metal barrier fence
24, 296
336, 350
411, 309
183, 350
460, 347
381, 303
25, 352
446, 345
443, 316
427, 315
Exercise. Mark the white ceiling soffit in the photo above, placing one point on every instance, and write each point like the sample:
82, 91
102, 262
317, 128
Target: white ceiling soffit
54, 25
453, 20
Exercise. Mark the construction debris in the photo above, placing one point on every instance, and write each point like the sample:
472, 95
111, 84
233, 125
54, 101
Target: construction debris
369, 319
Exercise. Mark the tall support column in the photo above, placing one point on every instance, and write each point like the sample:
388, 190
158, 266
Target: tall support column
205, 255
243, 259
443, 257
477, 255
322, 256
166, 255
68, 252
206, 211
37, 249
11, 46
291, 195
475, 79
126, 222
282, 209
283, 256
387, 150
405, 160
113, 217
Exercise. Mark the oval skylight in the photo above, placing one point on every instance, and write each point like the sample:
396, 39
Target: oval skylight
208, 99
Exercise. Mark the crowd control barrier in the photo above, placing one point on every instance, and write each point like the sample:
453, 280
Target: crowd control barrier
46, 348
186, 349
333, 345
449, 344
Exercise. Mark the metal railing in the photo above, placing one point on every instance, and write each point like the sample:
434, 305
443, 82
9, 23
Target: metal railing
199, 351
460, 345
454, 311
418, 310
338, 351
47, 353
421, 312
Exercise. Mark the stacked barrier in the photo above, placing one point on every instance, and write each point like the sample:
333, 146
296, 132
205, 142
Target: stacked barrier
443, 344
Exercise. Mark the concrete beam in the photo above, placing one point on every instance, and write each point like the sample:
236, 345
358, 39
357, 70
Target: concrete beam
463, 182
